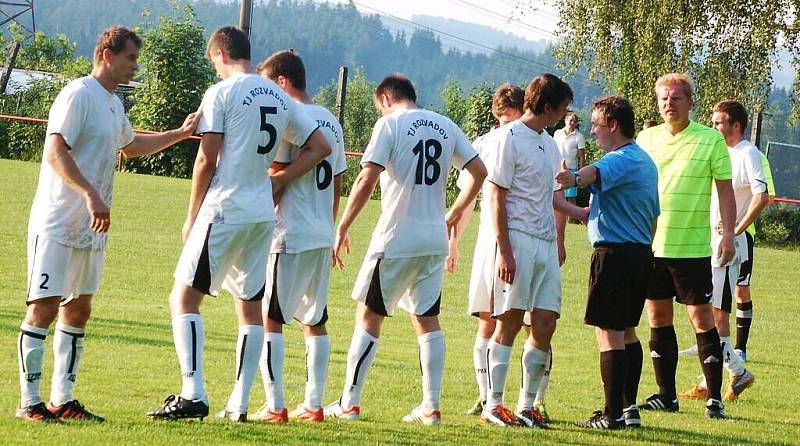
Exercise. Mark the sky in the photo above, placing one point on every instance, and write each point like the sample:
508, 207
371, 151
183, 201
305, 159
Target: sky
531, 19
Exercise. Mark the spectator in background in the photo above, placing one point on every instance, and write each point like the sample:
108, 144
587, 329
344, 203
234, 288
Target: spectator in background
572, 146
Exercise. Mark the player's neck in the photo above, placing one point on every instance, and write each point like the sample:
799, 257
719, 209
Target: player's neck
733, 140
676, 127
537, 123
403, 104
234, 67
298, 95
620, 141
104, 78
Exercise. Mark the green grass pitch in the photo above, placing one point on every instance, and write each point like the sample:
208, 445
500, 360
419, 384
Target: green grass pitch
130, 364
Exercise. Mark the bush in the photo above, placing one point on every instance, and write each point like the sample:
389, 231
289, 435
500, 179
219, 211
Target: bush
779, 225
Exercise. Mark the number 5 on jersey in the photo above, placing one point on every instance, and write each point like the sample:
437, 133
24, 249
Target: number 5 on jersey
272, 134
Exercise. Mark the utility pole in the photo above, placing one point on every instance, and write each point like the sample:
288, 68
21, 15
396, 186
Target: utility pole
246, 16
11, 60
755, 132
341, 95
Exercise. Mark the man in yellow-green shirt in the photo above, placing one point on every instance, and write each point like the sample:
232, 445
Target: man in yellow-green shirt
690, 158
744, 304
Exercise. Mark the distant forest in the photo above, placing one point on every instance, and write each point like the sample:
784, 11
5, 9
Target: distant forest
326, 36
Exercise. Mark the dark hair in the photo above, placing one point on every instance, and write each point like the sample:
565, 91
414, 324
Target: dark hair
287, 64
546, 89
735, 111
619, 110
232, 40
396, 86
507, 96
649, 123
114, 39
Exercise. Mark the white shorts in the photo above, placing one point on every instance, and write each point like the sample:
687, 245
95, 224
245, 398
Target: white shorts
228, 256
298, 285
537, 282
724, 279
483, 271
414, 284
60, 270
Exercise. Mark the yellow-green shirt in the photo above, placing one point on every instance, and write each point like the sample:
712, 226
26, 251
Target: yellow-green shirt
687, 165
770, 187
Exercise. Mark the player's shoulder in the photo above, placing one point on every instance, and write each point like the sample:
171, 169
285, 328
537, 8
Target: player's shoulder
698, 130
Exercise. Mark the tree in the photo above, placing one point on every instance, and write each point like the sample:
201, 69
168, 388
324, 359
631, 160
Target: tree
175, 75
726, 45
455, 103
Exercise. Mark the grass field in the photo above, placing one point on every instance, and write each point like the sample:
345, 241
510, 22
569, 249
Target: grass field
130, 364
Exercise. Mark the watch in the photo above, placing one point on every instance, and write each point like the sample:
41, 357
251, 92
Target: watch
578, 180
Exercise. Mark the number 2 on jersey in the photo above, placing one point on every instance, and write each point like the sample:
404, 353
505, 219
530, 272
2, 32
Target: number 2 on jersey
428, 161
272, 134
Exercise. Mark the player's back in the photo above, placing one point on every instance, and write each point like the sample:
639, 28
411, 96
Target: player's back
417, 149
252, 113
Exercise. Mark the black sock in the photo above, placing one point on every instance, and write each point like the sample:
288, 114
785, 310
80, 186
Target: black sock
612, 369
633, 372
744, 317
664, 353
710, 353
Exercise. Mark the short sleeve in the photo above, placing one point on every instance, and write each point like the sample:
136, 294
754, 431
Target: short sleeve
755, 172
767, 174
283, 152
340, 160
126, 137
463, 152
581, 141
380, 144
500, 162
614, 170
300, 126
213, 108
68, 115
720, 161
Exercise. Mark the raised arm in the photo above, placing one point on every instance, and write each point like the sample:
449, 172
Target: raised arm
143, 145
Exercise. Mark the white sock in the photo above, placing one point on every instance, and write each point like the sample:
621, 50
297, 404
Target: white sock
359, 359
534, 362
318, 353
30, 351
189, 337
431, 360
732, 362
248, 352
499, 356
272, 355
542, 392
480, 361
67, 352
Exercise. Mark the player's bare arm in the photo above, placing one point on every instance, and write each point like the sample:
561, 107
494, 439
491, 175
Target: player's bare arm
507, 266
561, 213
727, 211
466, 197
362, 189
317, 148
204, 166
453, 237
56, 153
143, 145
757, 204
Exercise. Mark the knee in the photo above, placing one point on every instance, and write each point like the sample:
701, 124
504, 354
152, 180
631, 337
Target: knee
42, 312
314, 330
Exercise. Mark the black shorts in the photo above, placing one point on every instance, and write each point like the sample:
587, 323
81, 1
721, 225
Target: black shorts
618, 280
688, 280
746, 270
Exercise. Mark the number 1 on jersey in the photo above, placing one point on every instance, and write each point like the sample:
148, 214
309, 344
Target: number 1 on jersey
427, 160
272, 134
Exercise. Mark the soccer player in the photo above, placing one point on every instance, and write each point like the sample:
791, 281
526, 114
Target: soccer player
231, 215
300, 262
572, 146
522, 162
625, 178
70, 217
744, 302
690, 157
411, 151
506, 107
750, 191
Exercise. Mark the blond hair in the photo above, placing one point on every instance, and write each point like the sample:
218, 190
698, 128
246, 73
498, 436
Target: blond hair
677, 79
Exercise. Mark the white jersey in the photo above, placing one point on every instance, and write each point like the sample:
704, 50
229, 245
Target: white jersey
93, 124
305, 212
525, 163
484, 145
254, 114
417, 149
748, 179
568, 146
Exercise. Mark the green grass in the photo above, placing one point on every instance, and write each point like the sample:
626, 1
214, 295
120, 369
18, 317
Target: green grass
130, 363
